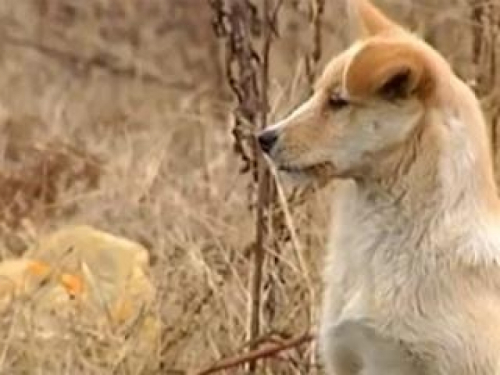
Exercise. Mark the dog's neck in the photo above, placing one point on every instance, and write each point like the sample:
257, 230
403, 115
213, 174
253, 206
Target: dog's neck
443, 186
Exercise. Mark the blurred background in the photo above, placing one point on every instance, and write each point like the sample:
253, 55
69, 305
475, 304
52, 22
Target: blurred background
119, 114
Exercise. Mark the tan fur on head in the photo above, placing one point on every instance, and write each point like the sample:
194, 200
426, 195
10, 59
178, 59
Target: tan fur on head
380, 62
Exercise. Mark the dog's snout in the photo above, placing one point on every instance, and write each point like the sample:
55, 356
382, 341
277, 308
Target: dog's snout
267, 139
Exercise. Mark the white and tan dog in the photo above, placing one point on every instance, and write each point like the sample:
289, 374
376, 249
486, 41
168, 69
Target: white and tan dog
413, 275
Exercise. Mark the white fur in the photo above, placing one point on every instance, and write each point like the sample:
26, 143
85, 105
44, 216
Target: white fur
402, 266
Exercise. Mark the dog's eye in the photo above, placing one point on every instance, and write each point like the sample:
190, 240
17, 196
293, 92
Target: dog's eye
337, 102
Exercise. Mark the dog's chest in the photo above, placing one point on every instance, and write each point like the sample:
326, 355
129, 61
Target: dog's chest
380, 255
388, 266
398, 274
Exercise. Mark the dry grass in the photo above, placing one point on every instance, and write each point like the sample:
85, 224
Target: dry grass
116, 115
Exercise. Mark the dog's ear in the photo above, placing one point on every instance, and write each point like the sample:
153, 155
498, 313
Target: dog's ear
366, 20
389, 69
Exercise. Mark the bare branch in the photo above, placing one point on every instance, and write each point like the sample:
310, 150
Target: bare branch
254, 355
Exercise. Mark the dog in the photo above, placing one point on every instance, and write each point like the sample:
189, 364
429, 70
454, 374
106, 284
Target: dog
357, 348
412, 281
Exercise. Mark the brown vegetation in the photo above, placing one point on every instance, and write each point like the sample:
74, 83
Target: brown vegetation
118, 114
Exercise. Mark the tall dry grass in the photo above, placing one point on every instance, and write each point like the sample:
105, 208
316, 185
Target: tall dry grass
116, 114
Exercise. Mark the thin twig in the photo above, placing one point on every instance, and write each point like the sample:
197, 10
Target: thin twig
317, 11
254, 355
264, 195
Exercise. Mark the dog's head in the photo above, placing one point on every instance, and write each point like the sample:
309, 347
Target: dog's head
369, 100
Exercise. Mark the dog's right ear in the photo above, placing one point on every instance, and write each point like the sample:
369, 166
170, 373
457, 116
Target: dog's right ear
390, 69
366, 20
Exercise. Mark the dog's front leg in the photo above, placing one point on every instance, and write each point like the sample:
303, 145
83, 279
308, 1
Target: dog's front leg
355, 348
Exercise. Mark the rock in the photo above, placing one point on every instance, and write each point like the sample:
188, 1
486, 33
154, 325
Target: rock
112, 270
80, 279
17, 277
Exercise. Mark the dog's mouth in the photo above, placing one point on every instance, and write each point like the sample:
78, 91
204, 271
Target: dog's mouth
292, 169
323, 170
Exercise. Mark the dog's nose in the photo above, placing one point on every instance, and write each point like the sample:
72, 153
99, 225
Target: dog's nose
267, 139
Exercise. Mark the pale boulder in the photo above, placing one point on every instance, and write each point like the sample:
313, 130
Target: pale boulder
78, 280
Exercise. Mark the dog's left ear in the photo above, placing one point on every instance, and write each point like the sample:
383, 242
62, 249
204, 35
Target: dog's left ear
367, 20
388, 69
